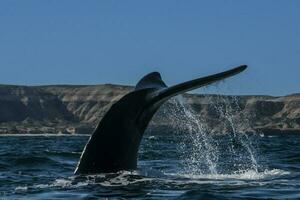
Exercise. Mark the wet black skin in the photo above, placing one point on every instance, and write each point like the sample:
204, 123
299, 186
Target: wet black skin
115, 142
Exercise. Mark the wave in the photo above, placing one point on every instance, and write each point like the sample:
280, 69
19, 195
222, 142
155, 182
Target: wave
126, 178
33, 161
122, 178
238, 175
63, 153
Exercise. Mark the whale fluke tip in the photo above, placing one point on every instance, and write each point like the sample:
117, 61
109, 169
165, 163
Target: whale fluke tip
151, 80
243, 67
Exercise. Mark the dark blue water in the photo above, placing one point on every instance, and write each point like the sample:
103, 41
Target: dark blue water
41, 167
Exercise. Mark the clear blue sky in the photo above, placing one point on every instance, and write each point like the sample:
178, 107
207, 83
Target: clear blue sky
95, 42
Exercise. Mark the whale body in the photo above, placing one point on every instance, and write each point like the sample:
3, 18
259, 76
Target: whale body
115, 142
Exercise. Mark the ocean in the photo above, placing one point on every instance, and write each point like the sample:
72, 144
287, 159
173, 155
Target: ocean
170, 166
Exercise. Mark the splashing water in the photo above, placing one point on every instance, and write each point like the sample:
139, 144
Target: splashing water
197, 145
205, 153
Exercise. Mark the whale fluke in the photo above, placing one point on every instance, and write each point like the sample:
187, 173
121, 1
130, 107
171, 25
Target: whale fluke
115, 142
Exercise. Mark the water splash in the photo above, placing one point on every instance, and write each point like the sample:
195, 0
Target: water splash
239, 175
230, 112
206, 153
198, 144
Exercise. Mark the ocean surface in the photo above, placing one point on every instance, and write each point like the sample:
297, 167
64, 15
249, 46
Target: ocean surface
171, 166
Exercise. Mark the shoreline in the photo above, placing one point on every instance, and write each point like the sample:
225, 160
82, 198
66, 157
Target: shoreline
73, 109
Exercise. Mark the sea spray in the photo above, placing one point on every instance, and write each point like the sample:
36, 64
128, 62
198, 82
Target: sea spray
205, 153
243, 145
200, 144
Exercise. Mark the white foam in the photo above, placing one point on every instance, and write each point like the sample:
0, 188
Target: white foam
238, 175
127, 178
21, 188
62, 183
123, 178
123, 181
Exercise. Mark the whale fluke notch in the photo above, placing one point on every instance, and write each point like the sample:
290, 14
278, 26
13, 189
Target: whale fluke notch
115, 142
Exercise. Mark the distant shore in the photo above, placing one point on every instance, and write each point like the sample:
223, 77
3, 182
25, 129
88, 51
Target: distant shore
73, 109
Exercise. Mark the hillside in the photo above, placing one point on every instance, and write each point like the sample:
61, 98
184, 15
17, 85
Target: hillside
78, 109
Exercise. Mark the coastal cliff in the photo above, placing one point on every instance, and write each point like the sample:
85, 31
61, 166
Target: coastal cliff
77, 109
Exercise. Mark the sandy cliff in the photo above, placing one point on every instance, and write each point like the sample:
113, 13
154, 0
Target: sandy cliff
77, 109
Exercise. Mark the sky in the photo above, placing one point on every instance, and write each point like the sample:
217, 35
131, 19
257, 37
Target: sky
108, 41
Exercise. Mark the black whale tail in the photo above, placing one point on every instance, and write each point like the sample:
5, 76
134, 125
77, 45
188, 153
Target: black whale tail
115, 142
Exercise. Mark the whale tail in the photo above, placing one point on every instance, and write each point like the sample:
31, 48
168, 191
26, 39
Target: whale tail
114, 144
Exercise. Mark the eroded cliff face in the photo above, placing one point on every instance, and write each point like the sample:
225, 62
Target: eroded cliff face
78, 109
